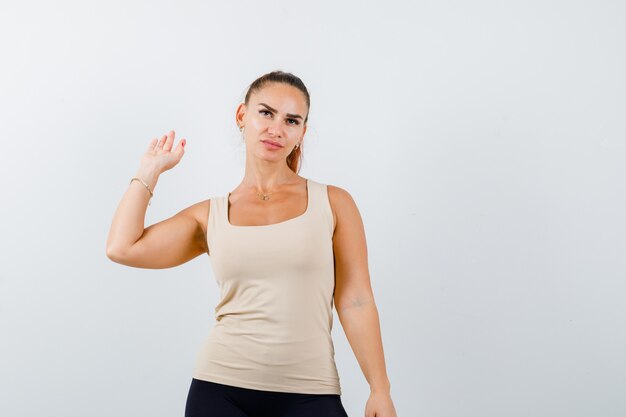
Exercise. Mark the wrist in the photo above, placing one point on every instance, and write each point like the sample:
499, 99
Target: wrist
383, 387
149, 174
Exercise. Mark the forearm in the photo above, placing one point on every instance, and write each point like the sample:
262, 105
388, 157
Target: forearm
128, 221
360, 322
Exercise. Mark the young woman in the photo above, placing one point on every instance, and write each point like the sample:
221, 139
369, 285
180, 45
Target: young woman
284, 249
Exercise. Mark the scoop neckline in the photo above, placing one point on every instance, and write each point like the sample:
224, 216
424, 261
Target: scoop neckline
306, 211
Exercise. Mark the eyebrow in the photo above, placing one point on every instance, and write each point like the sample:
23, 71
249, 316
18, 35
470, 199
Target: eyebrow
295, 116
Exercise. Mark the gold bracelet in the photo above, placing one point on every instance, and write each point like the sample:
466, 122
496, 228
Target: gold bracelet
146, 185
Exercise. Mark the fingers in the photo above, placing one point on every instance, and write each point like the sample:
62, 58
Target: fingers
169, 141
166, 142
161, 142
152, 144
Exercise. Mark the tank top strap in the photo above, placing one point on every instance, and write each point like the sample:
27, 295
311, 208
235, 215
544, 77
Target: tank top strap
215, 220
319, 206
215, 211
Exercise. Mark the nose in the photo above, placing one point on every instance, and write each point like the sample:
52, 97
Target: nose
275, 128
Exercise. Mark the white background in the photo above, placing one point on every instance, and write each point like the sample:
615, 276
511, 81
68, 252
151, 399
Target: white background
484, 143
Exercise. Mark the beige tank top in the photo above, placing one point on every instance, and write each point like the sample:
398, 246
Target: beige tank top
274, 318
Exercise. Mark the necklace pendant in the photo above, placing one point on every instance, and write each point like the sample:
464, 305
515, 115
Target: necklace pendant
265, 197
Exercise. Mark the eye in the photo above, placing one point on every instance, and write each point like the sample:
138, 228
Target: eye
264, 111
295, 122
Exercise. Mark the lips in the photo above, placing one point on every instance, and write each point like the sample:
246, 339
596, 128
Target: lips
271, 142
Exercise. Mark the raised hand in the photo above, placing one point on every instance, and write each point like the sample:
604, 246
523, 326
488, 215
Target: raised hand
160, 155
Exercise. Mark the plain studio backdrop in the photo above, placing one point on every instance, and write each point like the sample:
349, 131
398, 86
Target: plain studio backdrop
484, 143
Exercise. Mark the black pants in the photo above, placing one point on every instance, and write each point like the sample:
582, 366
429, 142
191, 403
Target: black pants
210, 399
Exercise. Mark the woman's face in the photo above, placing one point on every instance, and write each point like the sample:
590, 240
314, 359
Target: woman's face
275, 114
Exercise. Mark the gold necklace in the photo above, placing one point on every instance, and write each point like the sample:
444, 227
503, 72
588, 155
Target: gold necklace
263, 196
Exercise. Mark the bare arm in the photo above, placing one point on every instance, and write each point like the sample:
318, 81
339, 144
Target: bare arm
165, 244
354, 301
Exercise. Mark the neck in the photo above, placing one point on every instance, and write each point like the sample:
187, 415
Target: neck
267, 177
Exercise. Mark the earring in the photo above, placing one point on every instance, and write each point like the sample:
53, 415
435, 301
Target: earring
241, 128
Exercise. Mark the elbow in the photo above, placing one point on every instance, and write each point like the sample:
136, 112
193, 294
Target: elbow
114, 254
355, 302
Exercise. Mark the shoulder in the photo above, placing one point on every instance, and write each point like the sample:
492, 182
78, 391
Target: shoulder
338, 194
199, 212
342, 204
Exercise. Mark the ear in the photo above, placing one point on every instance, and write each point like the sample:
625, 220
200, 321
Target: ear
240, 113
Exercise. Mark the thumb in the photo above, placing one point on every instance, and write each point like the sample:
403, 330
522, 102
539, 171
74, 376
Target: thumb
181, 145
